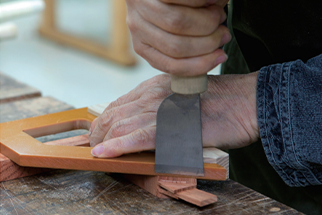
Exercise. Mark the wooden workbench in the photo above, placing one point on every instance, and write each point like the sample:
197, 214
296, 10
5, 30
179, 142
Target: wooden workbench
87, 192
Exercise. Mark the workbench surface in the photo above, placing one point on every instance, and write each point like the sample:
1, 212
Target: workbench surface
87, 192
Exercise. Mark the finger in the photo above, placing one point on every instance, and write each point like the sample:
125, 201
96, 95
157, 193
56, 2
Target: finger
183, 20
185, 66
185, 47
139, 140
107, 118
129, 125
93, 124
190, 3
161, 81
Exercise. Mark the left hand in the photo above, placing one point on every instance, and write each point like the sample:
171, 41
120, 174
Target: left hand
228, 116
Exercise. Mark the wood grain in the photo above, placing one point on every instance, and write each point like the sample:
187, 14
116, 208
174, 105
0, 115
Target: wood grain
176, 187
197, 197
13, 90
187, 192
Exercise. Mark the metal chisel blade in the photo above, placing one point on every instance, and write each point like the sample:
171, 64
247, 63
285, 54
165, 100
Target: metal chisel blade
179, 136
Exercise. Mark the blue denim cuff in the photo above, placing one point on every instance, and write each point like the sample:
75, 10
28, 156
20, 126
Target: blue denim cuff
289, 110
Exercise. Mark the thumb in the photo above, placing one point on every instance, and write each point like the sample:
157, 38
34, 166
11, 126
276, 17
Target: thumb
139, 140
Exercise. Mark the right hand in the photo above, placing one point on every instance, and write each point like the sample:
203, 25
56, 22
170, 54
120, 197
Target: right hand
179, 37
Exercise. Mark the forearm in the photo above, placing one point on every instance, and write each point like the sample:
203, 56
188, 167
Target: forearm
289, 101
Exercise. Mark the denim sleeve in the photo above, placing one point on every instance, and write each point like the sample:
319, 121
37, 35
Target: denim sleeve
289, 110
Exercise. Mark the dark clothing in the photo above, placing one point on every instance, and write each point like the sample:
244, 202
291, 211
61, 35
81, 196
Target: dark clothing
282, 39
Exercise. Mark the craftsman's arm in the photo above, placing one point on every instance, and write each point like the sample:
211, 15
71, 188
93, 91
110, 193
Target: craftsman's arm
289, 101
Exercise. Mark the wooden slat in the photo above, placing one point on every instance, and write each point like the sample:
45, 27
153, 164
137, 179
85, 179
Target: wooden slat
13, 90
197, 197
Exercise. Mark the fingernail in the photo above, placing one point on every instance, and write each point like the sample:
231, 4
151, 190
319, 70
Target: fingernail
221, 59
97, 150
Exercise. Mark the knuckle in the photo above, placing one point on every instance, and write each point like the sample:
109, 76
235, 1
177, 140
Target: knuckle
138, 49
176, 22
204, 65
131, 23
116, 150
117, 130
217, 13
174, 50
169, 67
107, 118
141, 136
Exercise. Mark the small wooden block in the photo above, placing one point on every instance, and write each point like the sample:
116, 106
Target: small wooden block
98, 109
176, 187
197, 197
9, 170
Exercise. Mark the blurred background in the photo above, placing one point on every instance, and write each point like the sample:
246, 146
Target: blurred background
68, 62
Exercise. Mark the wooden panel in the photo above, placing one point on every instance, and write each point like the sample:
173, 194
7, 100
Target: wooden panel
24, 150
12, 90
19, 110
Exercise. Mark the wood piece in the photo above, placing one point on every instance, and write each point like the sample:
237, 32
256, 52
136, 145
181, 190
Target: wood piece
217, 156
9, 170
12, 90
176, 187
119, 49
187, 191
151, 183
97, 109
18, 144
197, 197
18, 110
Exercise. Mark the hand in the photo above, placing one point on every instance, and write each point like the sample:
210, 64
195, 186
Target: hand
228, 111
179, 37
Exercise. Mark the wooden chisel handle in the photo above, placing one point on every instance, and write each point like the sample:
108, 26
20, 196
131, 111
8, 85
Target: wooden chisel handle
189, 85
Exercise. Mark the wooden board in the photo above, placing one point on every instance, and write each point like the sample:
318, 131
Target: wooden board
21, 109
18, 144
12, 90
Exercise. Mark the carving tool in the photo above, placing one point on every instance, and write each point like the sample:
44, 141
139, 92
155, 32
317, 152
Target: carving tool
179, 132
